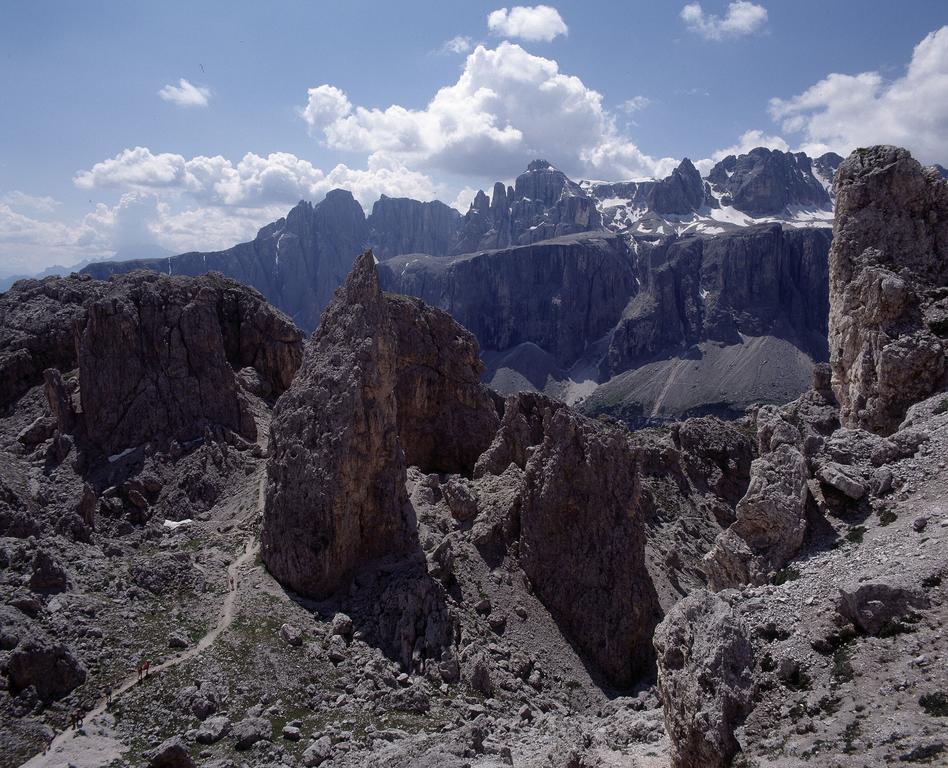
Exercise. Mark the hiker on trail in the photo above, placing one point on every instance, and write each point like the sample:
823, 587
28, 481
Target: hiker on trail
139, 670
147, 665
108, 696
79, 715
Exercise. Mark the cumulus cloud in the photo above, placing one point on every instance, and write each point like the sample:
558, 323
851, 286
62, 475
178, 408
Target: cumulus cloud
254, 180
842, 112
742, 18
27, 243
458, 44
537, 22
185, 94
464, 199
326, 105
22, 201
144, 219
486, 123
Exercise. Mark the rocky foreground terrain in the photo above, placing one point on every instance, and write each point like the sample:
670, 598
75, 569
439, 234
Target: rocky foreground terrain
349, 551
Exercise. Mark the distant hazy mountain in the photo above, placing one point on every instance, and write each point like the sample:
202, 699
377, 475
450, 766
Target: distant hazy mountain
128, 253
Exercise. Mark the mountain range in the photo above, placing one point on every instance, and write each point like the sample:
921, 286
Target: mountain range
648, 300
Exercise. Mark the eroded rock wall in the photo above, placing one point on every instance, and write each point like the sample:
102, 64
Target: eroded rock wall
888, 271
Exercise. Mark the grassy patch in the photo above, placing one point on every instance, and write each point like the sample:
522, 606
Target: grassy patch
852, 732
856, 534
923, 754
935, 704
786, 574
842, 664
829, 704
887, 517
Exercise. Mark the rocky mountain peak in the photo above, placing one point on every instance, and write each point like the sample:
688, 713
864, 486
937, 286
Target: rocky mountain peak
680, 193
538, 165
767, 182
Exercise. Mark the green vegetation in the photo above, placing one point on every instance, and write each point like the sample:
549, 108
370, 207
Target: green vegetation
786, 574
856, 534
887, 516
923, 754
842, 664
852, 732
935, 704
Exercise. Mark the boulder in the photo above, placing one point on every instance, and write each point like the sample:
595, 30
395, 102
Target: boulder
888, 260
250, 730
705, 665
172, 753
770, 522
876, 607
37, 431
843, 479
291, 635
50, 667
212, 730
318, 752
48, 573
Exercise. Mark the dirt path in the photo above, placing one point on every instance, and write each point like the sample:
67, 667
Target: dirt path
62, 750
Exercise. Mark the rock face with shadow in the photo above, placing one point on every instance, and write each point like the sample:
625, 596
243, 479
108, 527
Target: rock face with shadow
37, 329
561, 294
762, 281
386, 382
582, 543
888, 280
157, 358
400, 225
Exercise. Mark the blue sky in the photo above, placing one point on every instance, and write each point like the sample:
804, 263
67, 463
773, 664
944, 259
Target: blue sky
284, 100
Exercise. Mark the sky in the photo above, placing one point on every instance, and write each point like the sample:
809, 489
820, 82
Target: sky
187, 126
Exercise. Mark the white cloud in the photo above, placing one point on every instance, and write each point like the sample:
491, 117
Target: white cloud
635, 104
28, 244
742, 18
141, 218
538, 22
185, 94
748, 140
464, 199
485, 124
842, 112
23, 201
326, 105
458, 44
254, 180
